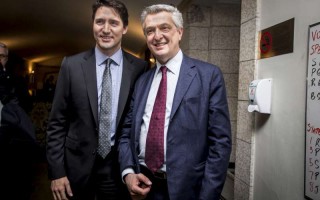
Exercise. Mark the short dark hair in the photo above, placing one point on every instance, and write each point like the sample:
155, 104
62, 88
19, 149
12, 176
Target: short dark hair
118, 6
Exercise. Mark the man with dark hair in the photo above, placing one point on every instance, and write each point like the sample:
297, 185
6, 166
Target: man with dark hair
90, 102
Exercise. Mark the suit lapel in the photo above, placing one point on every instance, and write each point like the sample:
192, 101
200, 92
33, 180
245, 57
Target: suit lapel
90, 77
142, 95
126, 82
187, 73
141, 98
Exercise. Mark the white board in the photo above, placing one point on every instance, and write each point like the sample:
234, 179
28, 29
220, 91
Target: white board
312, 151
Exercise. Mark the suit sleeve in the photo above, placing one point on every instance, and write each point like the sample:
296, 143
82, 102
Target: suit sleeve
219, 138
126, 144
16, 119
58, 125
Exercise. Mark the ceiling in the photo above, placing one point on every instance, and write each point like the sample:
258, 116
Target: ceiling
43, 32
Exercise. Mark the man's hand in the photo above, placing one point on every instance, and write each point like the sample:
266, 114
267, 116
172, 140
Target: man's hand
60, 187
138, 185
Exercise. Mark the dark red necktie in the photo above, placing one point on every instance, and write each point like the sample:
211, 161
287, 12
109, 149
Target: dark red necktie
154, 156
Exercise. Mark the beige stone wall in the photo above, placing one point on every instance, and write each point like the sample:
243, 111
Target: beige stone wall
211, 33
243, 184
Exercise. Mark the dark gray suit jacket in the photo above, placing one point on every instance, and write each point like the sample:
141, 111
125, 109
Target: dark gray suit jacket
199, 133
72, 132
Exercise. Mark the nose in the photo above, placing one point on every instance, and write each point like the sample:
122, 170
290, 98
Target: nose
106, 28
158, 34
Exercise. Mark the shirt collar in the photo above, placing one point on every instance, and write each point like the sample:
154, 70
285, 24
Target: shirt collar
173, 64
101, 58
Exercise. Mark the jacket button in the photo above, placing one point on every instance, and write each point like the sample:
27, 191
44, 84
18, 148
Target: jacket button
94, 152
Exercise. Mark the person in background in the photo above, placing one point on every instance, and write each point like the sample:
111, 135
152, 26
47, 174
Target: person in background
4, 52
176, 139
19, 149
48, 88
15, 82
90, 102
5, 76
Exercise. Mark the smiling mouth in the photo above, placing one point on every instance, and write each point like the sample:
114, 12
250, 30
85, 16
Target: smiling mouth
106, 37
159, 44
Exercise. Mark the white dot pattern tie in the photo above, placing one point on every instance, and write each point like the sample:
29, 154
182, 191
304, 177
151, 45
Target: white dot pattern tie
154, 156
105, 115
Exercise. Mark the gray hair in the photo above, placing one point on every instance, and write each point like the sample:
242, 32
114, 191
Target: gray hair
2, 45
176, 14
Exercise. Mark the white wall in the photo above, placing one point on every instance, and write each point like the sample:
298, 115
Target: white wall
279, 139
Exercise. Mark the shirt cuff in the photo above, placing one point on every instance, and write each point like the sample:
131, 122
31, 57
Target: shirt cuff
125, 172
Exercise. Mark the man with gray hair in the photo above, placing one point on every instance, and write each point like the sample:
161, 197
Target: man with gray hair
3, 55
13, 83
18, 145
176, 139
6, 79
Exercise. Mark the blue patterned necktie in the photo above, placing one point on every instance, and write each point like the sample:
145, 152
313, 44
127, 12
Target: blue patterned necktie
105, 115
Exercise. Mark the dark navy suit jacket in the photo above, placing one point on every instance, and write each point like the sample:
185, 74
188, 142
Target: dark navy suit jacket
72, 133
199, 133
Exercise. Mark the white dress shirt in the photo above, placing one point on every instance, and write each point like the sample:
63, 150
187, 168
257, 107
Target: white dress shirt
173, 72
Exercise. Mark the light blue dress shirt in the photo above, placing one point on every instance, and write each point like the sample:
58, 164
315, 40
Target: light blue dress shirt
116, 74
